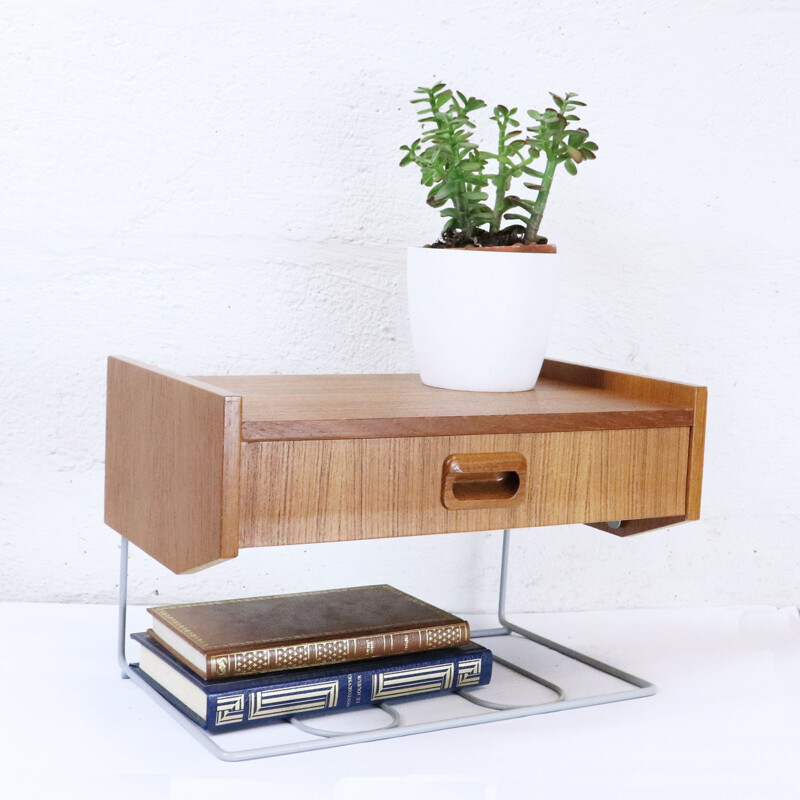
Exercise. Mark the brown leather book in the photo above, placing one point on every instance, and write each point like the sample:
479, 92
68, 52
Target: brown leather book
249, 636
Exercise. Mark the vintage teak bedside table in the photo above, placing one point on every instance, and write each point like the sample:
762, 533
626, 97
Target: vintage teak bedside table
198, 467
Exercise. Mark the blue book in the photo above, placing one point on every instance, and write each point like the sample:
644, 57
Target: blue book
226, 705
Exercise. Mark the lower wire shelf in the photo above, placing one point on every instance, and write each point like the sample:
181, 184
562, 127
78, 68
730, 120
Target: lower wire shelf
528, 663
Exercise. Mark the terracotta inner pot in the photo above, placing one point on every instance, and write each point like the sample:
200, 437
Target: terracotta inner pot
517, 248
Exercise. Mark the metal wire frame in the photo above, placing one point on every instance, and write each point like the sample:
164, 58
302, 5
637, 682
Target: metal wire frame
395, 727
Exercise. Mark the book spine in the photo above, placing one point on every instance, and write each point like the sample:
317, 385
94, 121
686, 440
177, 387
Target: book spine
334, 651
323, 695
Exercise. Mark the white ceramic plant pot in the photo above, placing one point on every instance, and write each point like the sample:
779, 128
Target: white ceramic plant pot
480, 319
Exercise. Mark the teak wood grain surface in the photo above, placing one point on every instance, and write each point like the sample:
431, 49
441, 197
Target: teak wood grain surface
197, 467
484, 480
172, 465
367, 488
292, 407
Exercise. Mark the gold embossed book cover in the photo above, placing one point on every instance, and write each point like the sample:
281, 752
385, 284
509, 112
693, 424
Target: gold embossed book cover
255, 635
220, 706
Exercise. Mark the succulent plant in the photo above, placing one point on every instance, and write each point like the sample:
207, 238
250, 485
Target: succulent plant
456, 170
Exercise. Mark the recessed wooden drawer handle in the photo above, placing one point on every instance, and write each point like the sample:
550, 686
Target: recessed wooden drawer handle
483, 480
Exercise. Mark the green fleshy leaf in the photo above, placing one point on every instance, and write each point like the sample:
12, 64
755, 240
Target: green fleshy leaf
574, 154
443, 98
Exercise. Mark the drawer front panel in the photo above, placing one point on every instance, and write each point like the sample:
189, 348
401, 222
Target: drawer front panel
296, 492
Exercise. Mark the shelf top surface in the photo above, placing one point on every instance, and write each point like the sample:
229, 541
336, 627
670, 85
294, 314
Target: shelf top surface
276, 407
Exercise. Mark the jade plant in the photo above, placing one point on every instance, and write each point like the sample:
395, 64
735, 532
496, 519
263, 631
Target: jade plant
460, 175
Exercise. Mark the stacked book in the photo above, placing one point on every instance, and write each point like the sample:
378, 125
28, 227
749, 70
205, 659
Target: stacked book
237, 663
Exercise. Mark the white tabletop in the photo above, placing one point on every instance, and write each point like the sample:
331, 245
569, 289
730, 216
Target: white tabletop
724, 722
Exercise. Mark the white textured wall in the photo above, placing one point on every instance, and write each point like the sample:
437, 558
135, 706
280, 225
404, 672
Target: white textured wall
213, 187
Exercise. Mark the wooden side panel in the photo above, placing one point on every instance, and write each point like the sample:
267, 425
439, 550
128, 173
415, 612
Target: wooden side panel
649, 390
312, 491
694, 482
172, 465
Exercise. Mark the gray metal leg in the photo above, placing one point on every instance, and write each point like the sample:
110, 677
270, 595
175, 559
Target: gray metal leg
646, 687
122, 609
323, 739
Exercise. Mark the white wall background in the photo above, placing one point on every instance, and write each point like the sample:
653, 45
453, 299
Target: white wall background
213, 187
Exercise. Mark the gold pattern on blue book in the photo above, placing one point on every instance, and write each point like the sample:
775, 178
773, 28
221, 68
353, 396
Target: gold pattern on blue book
402, 682
294, 700
230, 709
469, 673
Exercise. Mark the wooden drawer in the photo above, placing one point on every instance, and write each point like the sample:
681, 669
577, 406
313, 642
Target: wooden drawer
197, 467
314, 491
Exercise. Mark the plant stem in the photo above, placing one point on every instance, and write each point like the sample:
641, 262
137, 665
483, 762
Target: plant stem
500, 179
459, 201
532, 228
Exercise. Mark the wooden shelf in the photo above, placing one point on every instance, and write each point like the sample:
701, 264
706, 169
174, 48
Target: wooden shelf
289, 407
197, 467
